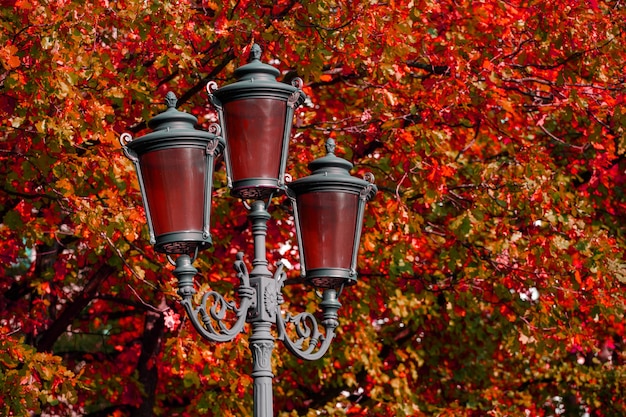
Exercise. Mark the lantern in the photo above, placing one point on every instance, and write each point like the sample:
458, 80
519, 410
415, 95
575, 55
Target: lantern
174, 165
328, 208
256, 114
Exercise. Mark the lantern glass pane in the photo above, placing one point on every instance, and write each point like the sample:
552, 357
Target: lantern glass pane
174, 183
254, 131
327, 225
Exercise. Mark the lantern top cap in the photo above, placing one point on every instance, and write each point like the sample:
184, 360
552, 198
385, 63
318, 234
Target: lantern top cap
172, 118
330, 161
255, 68
332, 173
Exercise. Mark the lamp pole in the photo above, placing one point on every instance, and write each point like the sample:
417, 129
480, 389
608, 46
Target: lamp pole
174, 165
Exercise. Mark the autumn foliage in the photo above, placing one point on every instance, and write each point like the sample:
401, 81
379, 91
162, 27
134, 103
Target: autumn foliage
492, 267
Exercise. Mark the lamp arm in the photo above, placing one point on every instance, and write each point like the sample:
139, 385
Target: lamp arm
208, 318
310, 344
306, 328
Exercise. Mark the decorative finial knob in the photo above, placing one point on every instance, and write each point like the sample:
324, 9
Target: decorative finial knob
171, 100
330, 146
255, 53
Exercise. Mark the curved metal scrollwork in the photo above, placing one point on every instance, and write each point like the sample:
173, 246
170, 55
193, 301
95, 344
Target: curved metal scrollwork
310, 343
308, 336
209, 318
211, 87
216, 129
125, 139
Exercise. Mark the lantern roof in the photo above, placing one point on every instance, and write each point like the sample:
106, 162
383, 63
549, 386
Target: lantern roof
257, 79
330, 162
332, 172
173, 127
172, 117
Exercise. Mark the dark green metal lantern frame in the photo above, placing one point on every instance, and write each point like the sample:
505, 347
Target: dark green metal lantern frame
328, 207
256, 114
174, 165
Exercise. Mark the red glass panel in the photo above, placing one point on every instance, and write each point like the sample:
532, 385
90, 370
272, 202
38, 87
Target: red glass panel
327, 226
255, 129
174, 183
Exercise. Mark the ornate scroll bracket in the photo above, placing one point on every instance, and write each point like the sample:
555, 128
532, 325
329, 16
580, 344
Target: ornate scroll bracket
209, 317
309, 342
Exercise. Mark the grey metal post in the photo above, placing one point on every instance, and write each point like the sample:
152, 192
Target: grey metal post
262, 345
263, 316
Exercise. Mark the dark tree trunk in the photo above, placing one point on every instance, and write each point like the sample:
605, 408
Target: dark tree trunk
153, 331
71, 311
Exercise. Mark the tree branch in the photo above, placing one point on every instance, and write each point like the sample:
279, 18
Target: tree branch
432, 69
71, 311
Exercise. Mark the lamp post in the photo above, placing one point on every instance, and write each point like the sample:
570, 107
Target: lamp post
174, 165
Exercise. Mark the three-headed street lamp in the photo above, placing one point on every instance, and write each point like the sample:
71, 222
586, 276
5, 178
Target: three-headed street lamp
174, 165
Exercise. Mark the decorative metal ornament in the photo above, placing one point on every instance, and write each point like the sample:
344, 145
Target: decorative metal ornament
174, 165
256, 113
328, 206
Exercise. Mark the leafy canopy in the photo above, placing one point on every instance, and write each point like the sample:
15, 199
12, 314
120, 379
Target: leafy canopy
492, 268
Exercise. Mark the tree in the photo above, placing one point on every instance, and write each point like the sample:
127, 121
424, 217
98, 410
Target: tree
492, 270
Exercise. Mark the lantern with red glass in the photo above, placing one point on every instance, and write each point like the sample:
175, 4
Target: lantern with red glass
328, 206
256, 115
174, 165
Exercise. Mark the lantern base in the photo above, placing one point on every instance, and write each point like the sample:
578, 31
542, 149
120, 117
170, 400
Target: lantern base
256, 188
182, 243
330, 277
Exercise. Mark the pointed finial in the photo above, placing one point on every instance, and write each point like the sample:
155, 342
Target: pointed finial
330, 146
255, 53
171, 100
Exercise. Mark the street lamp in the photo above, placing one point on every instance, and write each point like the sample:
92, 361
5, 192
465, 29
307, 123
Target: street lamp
174, 165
